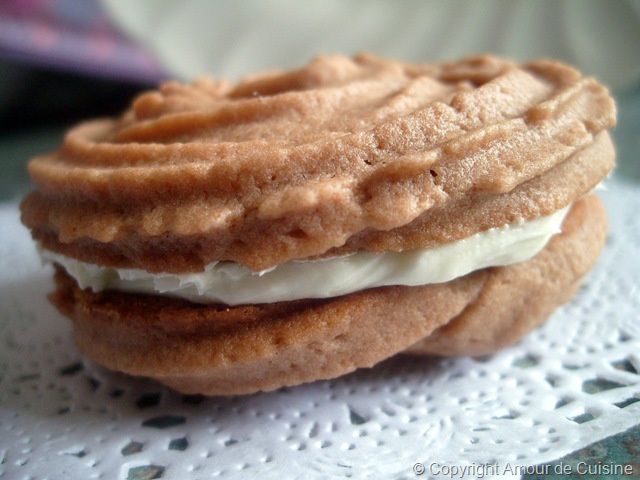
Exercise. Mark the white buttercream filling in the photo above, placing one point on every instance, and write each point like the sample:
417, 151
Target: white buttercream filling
234, 284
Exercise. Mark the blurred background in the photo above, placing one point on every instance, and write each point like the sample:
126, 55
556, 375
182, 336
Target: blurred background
65, 60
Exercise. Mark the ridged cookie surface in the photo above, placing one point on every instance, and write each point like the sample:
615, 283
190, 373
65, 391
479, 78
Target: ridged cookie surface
344, 154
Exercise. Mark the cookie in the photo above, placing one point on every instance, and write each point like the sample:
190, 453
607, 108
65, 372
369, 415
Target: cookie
293, 164
226, 238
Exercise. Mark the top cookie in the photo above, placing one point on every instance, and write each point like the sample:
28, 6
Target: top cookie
341, 155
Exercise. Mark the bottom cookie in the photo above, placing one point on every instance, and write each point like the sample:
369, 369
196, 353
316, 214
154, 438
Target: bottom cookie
220, 350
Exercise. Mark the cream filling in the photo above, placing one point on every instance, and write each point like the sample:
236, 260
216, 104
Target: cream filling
234, 284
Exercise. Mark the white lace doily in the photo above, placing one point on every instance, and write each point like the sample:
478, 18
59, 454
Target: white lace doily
570, 383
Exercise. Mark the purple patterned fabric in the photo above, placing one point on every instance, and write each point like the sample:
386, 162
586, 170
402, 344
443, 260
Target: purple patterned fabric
72, 35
